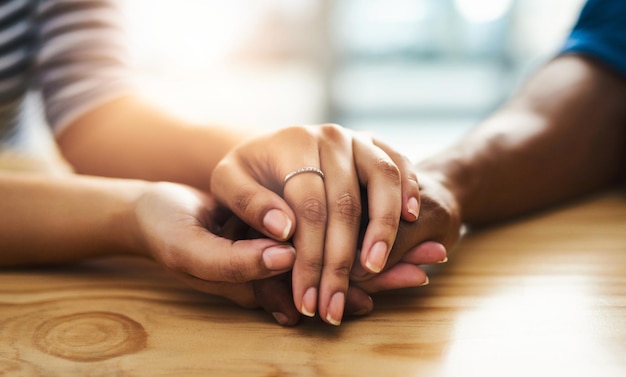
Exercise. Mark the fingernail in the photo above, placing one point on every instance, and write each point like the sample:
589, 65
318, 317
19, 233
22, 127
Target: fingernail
426, 282
277, 223
444, 260
309, 301
413, 207
277, 258
377, 257
335, 309
281, 318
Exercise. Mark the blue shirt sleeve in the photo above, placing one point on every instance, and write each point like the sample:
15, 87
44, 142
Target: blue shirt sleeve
601, 32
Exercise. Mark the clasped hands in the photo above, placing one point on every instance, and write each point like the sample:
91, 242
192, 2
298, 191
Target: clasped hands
323, 244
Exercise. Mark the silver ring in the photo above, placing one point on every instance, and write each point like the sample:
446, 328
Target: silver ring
308, 169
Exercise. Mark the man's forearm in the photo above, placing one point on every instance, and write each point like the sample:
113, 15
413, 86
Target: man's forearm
129, 138
562, 136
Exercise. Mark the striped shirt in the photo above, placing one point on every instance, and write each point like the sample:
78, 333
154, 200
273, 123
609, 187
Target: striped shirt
70, 51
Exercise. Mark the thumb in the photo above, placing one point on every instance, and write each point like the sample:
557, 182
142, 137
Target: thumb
259, 207
213, 258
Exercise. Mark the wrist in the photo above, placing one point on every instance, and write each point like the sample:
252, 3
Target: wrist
123, 229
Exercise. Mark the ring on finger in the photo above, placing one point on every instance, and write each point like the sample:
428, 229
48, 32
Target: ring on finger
307, 169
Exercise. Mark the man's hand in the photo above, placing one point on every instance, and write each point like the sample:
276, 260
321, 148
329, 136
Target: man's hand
424, 241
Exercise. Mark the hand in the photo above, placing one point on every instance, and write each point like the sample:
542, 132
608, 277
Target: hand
419, 243
322, 215
274, 294
178, 226
424, 241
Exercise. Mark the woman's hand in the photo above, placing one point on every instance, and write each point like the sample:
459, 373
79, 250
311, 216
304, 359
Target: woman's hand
321, 214
274, 294
418, 243
178, 226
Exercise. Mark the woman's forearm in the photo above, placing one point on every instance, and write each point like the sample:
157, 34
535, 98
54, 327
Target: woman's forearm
131, 138
47, 219
562, 136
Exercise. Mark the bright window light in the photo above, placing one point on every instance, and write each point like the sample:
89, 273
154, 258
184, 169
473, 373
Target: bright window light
195, 35
479, 11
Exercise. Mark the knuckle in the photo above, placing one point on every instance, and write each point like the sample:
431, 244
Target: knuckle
234, 270
298, 133
349, 208
442, 223
332, 131
388, 169
340, 269
389, 220
243, 199
313, 211
313, 265
435, 211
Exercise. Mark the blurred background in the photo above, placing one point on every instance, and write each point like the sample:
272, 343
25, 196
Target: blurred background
418, 73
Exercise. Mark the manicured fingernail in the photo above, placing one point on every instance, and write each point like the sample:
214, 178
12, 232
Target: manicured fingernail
377, 257
444, 260
281, 318
413, 207
426, 282
309, 302
335, 309
277, 258
277, 223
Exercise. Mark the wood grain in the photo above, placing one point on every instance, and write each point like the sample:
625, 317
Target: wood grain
543, 296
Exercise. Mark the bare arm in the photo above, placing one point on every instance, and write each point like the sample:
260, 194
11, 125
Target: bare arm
130, 138
48, 219
563, 135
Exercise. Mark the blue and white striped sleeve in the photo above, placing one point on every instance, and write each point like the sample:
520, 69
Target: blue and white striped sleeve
82, 57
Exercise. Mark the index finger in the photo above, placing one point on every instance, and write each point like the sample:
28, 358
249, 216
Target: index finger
410, 184
381, 176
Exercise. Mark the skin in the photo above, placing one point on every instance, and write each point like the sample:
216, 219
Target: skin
424, 241
88, 217
562, 136
517, 161
323, 216
135, 146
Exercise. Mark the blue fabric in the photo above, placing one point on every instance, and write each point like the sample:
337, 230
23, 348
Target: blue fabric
601, 32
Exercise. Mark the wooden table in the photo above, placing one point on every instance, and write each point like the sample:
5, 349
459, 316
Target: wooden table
544, 296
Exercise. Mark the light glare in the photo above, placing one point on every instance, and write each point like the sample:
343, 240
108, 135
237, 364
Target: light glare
480, 11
